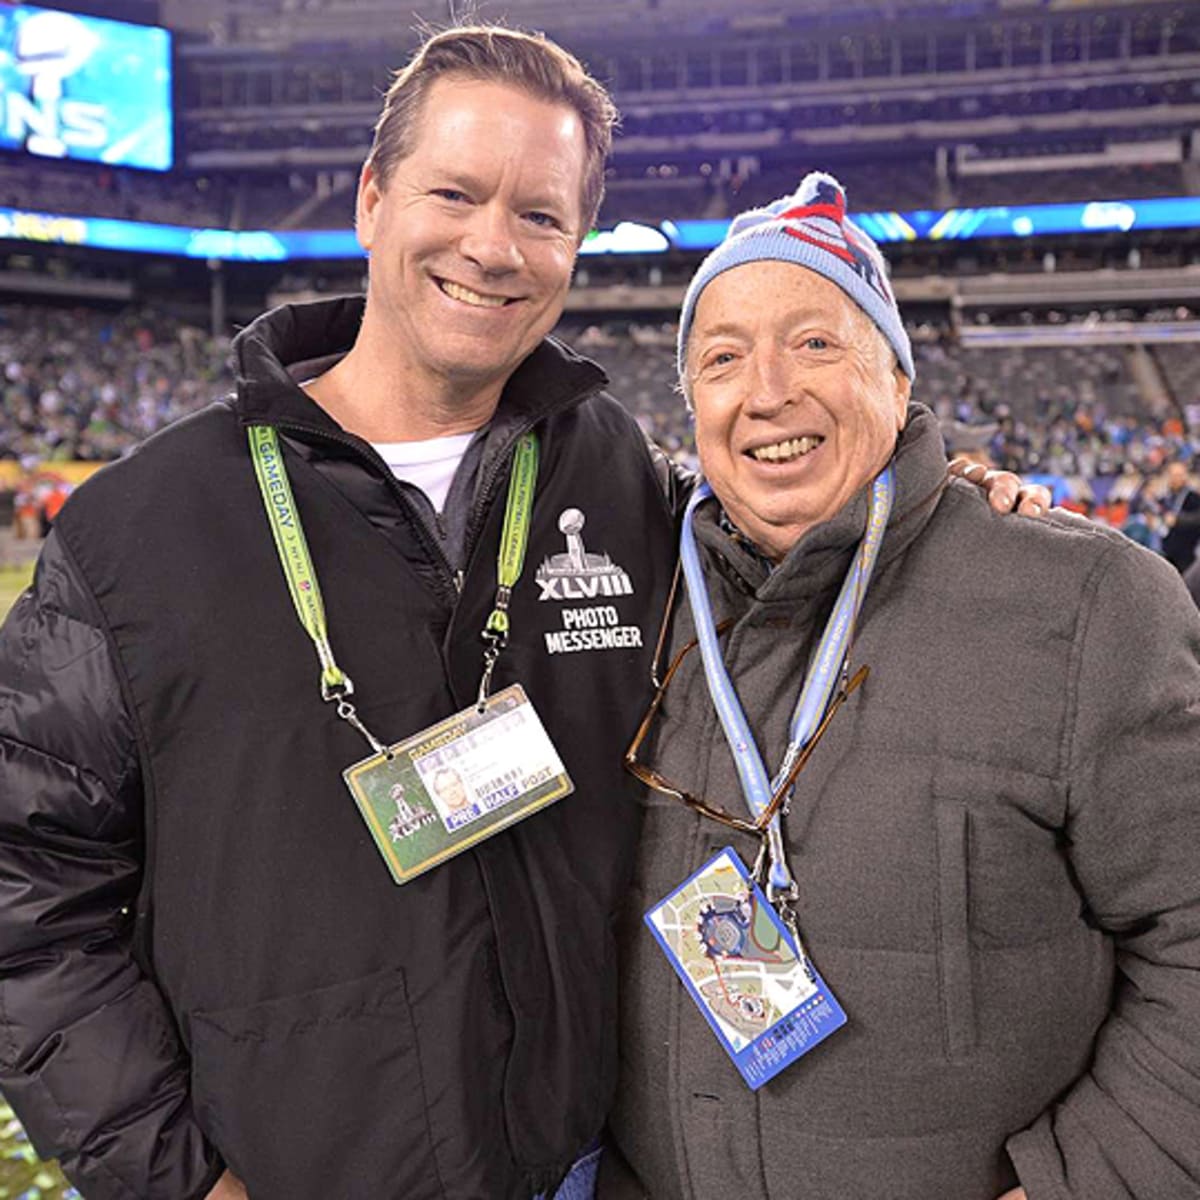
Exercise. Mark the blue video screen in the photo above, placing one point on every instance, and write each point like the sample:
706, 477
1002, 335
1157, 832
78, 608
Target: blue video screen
85, 88
265, 245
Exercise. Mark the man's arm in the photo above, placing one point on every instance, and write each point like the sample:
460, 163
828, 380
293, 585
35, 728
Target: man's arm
675, 479
1130, 1126
89, 1057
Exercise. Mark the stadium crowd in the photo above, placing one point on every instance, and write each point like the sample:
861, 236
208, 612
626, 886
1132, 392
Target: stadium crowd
86, 385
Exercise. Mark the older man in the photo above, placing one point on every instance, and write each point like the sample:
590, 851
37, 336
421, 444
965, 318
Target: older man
991, 850
208, 972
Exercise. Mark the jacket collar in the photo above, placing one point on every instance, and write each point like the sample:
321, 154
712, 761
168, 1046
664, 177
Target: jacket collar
282, 348
819, 560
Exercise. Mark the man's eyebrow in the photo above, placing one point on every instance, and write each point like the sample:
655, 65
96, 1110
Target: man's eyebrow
807, 312
723, 329
734, 328
459, 177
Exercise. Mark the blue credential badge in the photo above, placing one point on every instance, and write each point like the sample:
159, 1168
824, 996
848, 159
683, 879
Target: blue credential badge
765, 1002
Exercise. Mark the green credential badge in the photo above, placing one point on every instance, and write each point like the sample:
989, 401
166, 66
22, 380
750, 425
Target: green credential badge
458, 782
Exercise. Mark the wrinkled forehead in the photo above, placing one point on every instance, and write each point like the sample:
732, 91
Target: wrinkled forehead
757, 298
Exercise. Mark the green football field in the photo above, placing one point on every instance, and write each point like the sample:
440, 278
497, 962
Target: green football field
22, 1177
13, 581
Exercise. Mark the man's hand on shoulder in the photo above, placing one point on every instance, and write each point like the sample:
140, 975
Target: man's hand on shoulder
1005, 492
229, 1187
1015, 1194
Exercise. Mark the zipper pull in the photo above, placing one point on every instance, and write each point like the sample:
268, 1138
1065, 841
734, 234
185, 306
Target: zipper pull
459, 579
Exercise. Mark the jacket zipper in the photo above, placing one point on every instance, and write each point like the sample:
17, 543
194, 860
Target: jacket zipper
365, 450
486, 490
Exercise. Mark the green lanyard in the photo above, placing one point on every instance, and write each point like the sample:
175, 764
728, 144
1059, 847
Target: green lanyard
518, 515
292, 547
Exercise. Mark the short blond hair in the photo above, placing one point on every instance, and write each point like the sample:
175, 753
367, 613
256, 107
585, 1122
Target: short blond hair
494, 54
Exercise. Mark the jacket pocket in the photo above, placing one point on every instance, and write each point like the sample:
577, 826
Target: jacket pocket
952, 819
317, 1095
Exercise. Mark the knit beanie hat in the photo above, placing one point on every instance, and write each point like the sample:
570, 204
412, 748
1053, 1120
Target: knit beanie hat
810, 229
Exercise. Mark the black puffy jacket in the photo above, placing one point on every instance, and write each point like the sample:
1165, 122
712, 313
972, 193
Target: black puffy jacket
203, 960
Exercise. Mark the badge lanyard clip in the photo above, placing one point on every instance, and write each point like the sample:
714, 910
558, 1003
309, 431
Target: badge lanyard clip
348, 713
784, 898
495, 641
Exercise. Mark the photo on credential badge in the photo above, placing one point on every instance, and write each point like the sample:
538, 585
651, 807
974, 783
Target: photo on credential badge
451, 786
766, 1004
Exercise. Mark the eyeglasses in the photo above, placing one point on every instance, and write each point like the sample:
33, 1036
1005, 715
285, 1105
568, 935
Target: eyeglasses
659, 783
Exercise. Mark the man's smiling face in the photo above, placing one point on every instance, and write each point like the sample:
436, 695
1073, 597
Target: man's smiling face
798, 403
473, 235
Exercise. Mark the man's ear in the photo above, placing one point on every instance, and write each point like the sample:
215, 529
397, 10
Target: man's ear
367, 205
903, 387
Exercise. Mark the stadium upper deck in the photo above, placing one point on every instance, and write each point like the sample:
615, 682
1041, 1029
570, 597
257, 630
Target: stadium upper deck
936, 105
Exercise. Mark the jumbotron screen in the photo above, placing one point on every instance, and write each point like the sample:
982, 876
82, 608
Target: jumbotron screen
85, 87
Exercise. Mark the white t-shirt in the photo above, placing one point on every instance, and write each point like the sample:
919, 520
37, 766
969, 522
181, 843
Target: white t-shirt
430, 465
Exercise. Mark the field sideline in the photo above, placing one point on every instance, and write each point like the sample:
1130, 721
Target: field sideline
13, 581
22, 1177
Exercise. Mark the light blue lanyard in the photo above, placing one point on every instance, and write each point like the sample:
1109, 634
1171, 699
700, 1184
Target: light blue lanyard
822, 677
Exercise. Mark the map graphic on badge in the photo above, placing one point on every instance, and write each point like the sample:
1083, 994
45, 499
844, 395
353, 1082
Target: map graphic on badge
730, 947
765, 1002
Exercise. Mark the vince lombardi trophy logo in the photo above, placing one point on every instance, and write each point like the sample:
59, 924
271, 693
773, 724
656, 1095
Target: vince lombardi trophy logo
578, 575
50, 46
571, 524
